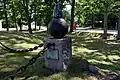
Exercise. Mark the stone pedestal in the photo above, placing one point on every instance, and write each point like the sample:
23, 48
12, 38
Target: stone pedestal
59, 53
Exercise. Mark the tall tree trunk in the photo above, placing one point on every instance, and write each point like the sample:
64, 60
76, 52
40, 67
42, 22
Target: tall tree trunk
16, 27
105, 25
72, 16
93, 20
29, 25
25, 2
6, 19
48, 18
20, 24
39, 27
28, 18
118, 34
35, 19
20, 21
14, 19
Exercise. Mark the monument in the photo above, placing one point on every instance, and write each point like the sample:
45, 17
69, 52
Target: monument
59, 52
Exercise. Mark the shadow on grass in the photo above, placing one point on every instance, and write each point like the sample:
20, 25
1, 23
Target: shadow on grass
11, 61
103, 53
14, 37
77, 68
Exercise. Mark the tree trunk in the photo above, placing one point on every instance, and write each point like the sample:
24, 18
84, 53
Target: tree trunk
27, 16
118, 35
105, 25
39, 27
93, 20
14, 19
29, 26
72, 16
20, 25
6, 19
48, 18
16, 27
35, 19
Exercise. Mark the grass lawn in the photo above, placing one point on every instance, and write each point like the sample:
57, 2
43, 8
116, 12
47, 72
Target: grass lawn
104, 54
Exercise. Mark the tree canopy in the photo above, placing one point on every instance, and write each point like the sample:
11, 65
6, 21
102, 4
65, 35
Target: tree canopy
87, 12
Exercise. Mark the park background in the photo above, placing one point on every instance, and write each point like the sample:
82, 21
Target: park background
23, 24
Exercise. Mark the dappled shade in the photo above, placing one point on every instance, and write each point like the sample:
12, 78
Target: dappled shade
104, 54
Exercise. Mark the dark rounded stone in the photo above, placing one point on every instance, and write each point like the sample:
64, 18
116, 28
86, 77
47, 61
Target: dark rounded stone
93, 69
58, 28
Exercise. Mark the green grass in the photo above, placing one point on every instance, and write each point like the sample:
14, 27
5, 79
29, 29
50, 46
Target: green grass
86, 46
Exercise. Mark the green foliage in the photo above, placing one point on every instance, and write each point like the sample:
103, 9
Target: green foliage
42, 11
85, 9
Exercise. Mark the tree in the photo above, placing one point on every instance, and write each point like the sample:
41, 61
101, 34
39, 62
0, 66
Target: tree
94, 8
85, 11
107, 7
72, 15
116, 10
28, 15
5, 12
14, 13
1, 9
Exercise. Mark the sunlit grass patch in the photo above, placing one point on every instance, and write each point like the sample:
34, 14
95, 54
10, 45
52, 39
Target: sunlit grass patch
105, 54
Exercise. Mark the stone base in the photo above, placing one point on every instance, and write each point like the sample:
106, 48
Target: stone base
58, 56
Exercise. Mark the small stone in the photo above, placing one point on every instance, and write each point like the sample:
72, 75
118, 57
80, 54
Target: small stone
93, 69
